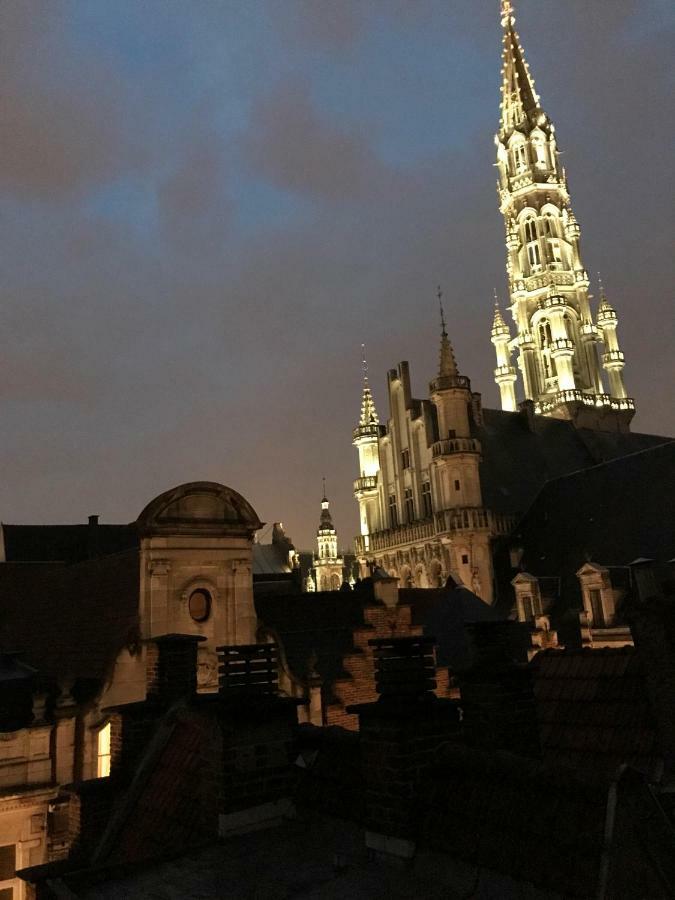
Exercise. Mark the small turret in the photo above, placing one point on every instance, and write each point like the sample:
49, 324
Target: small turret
505, 373
327, 564
366, 438
613, 360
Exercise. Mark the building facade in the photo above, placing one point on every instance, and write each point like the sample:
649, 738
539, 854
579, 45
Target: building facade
437, 483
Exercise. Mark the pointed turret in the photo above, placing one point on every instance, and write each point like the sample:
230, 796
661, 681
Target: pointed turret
520, 102
366, 438
327, 564
448, 364
505, 373
613, 360
368, 412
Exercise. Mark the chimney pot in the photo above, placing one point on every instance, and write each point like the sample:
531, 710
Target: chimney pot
93, 520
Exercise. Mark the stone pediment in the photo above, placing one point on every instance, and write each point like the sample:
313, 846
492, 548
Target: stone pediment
203, 507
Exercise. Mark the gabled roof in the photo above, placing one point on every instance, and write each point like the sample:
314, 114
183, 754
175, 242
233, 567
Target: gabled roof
521, 453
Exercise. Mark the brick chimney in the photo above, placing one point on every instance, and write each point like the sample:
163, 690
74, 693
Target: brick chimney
497, 694
258, 730
401, 734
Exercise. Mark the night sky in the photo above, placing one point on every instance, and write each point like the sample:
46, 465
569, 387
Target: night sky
206, 207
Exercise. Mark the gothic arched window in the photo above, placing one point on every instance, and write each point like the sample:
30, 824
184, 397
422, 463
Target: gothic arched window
530, 230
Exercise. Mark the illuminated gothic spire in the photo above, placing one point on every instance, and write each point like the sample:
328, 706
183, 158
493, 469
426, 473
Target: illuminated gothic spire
561, 351
448, 365
368, 411
520, 101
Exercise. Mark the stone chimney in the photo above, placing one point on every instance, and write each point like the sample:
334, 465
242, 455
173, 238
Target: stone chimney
401, 735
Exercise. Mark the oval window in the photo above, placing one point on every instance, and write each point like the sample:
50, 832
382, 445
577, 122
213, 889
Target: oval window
199, 605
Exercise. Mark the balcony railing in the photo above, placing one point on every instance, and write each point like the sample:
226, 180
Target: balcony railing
451, 446
562, 346
447, 521
597, 400
613, 359
366, 483
505, 373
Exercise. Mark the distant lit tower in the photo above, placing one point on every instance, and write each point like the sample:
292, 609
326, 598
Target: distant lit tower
365, 438
328, 566
556, 338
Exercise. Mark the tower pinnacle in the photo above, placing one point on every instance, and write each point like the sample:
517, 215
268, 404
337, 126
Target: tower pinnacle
368, 412
448, 365
520, 101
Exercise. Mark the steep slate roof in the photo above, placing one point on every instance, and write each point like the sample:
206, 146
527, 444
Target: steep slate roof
611, 513
593, 710
70, 620
65, 543
547, 825
521, 453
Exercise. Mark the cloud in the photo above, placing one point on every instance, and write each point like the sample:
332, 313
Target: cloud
63, 114
291, 145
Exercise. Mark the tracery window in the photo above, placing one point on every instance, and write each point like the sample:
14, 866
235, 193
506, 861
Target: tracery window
520, 156
409, 506
530, 230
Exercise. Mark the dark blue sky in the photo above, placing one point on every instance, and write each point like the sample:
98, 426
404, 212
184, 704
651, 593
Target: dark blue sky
206, 207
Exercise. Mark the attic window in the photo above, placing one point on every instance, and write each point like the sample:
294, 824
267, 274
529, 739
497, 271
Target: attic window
199, 605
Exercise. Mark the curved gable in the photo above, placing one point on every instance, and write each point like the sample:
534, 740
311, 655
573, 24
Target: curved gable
199, 506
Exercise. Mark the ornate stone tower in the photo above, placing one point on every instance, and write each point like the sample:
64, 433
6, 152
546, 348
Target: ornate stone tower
455, 480
556, 338
328, 565
365, 439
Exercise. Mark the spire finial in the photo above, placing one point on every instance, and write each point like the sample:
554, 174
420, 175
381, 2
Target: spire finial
507, 13
601, 286
439, 294
496, 298
368, 411
323, 481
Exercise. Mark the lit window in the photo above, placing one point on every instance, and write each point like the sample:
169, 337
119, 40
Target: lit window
199, 605
104, 751
597, 612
